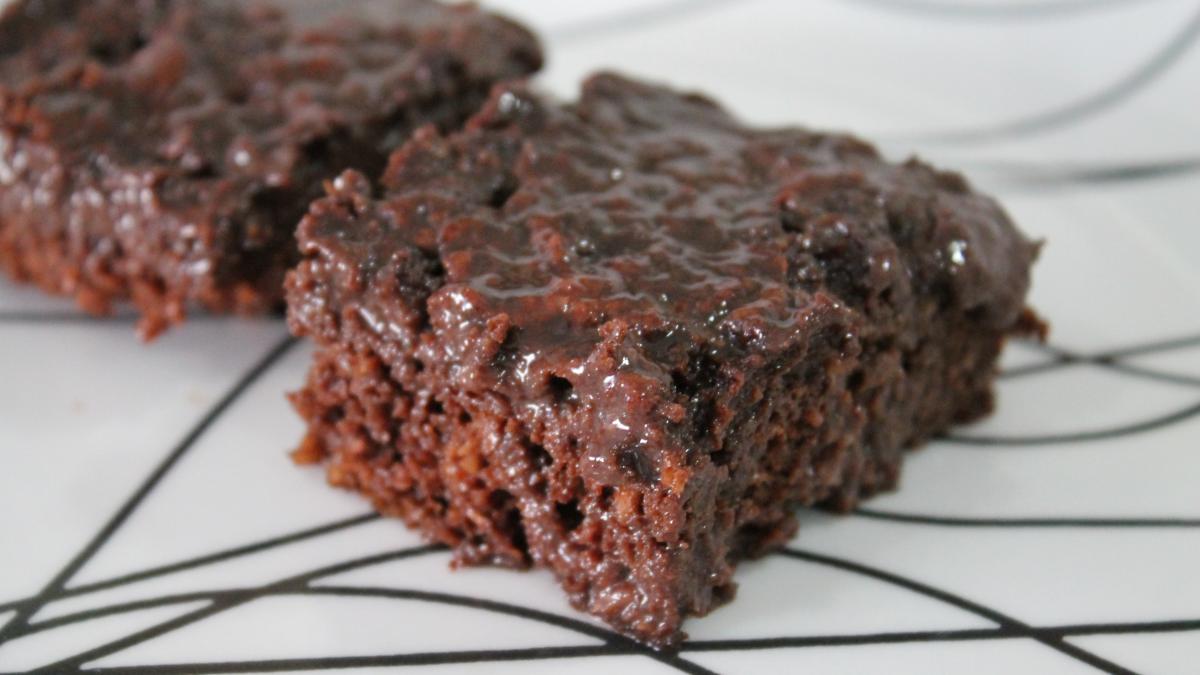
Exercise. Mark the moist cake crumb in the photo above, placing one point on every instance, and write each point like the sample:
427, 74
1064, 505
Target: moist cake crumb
624, 338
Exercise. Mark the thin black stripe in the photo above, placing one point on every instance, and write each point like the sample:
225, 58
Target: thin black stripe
222, 595
1152, 424
1108, 357
1036, 177
298, 585
59, 581
1151, 374
227, 599
664, 657
221, 556
1137, 371
395, 660
855, 640
1041, 367
19, 317
1114, 94
75, 663
967, 10
699, 646
1099, 523
224, 600
616, 644
1005, 621
86, 615
1155, 347
1060, 631
1170, 626
967, 635
200, 561
1110, 360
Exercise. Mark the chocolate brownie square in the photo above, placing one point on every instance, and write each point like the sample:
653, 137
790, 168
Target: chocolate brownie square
623, 339
162, 151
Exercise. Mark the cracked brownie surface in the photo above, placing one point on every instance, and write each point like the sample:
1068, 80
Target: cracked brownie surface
624, 338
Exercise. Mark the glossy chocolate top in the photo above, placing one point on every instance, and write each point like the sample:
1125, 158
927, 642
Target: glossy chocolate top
215, 88
654, 214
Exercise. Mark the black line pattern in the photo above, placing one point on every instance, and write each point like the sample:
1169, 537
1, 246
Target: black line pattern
1113, 360
56, 585
1040, 176
948, 521
1072, 113
540, 653
1006, 622
1043, 177
199, 561
220, 601
1170, 419
36, 317
1016, 11
223, 600
969, 635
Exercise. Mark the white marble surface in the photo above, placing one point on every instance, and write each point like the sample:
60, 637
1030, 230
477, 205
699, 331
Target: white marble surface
149, 516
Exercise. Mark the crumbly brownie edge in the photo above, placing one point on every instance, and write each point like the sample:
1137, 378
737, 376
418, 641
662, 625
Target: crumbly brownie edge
467, 472
413, 403
85, 248
64, 228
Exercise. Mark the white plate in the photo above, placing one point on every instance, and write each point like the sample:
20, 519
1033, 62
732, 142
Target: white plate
149, 516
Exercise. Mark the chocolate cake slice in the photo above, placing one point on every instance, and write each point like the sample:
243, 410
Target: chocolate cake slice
623, 339
163, 151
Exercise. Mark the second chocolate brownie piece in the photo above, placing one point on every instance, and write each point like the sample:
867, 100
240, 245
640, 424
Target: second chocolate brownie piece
163, 150
623, 339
